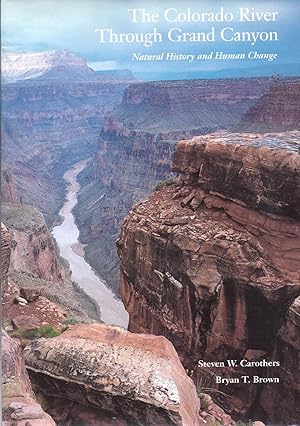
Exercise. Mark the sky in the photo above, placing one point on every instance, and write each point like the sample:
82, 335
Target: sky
36, 25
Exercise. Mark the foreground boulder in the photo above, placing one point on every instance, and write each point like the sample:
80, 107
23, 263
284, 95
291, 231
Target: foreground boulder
139, 377
19, 407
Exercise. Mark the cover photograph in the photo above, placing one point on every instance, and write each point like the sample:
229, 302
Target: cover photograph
150, 212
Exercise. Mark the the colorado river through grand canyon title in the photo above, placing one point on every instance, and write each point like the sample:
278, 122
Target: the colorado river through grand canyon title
66, 235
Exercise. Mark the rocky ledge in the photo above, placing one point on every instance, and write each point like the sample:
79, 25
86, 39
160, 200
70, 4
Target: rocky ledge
137, 377
19, 407
212, 263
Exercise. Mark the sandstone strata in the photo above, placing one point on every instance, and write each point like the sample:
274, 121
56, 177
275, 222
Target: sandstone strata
136, 146
277, 110
19, 407
212, 263
36, 273
139, 377
33, 251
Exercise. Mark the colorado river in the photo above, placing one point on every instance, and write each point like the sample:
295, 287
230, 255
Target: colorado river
66, 235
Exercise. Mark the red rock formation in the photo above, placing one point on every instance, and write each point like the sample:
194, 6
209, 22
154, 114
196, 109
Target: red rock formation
213, 263
33, 251
36, 273
136, 146
278, 110
285, 404
138, 377
19, 407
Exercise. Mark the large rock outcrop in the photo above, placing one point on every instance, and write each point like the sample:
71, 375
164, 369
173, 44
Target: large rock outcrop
212, 263
31, 262
33, 251
138, 377
136, 146
19, 407
277, 110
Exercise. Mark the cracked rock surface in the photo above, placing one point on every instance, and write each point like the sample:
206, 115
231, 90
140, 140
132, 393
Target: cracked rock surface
212, 263
139, 377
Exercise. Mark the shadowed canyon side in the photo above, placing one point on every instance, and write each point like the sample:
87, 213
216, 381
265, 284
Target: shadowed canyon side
52, 109
212, 263
136, 146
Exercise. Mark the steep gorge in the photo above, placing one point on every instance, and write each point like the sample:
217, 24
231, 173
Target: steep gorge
50, 122
135, 151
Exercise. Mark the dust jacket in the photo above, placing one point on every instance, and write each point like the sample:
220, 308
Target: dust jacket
150, 201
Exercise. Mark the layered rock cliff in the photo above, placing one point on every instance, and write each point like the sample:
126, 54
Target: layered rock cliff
34, 265
136, 146
33, 251
277, 110
212, 263
101, 371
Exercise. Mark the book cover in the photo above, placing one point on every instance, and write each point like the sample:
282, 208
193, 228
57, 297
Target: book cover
150, 201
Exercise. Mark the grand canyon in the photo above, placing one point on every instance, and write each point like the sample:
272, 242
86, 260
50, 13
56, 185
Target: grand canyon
150, 247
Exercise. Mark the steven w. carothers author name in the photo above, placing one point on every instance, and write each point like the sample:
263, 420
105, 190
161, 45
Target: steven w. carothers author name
238, 363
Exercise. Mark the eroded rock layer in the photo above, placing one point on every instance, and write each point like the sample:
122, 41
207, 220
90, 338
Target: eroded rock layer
136, 146
138, 377
277, 110
212, 263
31, 263
19, 407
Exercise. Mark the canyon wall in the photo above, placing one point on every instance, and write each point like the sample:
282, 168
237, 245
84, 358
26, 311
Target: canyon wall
135, 151
33, 250
50, 123
212, 263
277, 110
36, 267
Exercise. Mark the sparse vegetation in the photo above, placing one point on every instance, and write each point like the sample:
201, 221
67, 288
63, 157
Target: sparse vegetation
43, 331
164, 183
240, 423
71, 321
205, 401
23, 217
